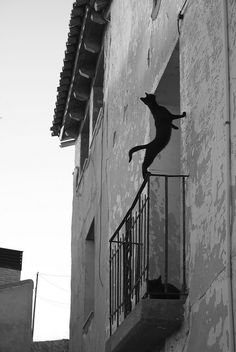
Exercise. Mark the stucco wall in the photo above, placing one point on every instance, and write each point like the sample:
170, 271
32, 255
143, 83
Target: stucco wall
15, 316
89, 203
204, 157
135, 58
137, 51
232, 67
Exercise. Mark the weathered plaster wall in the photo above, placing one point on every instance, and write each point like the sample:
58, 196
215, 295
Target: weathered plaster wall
204, 157
232, 96
90, 202
50, 346
137, 51
135, 58
15, 316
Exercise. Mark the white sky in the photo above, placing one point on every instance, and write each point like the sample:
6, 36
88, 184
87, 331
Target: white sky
36, 175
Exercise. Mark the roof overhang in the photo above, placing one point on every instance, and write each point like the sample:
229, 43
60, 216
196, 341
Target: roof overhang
81, 64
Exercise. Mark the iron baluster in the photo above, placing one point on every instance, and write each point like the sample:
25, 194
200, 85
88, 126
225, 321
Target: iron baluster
166, 233
110, 290
184, 236
148, 217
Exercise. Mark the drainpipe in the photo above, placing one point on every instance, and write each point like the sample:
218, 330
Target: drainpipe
228, 182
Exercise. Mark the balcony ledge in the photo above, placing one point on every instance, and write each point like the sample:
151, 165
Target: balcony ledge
147, 326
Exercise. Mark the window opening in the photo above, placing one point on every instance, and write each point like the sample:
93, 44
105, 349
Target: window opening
168, 94
168, 162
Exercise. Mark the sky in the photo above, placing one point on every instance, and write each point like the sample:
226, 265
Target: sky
36, 174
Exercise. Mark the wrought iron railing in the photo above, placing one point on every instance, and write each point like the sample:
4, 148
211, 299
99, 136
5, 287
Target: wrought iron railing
130, 248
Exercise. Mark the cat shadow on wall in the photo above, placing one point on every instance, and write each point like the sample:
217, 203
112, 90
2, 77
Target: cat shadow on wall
164, 125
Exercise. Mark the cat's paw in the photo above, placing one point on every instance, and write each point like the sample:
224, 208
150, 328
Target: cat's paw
184, 114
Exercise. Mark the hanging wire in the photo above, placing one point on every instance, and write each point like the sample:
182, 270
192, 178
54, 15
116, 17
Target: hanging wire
52, 301
55, 285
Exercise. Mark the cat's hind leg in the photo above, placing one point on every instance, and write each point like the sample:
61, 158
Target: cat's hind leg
148, 159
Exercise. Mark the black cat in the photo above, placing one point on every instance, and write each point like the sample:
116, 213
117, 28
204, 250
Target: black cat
163, 121
156, 289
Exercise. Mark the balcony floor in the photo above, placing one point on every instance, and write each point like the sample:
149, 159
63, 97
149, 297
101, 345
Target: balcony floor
147, 326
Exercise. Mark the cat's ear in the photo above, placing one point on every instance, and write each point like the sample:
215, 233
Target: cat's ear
144, 99
159, 279
146, 94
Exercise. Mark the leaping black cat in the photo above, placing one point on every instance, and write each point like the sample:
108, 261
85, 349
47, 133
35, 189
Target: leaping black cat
163, 121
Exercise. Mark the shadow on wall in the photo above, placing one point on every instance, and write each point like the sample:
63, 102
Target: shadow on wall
51, 346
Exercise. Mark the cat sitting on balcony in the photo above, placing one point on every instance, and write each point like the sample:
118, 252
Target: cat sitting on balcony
156, 289
163, 122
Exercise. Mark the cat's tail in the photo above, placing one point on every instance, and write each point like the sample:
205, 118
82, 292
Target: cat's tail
135, 149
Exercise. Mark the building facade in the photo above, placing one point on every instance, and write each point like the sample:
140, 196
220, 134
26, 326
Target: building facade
15, 304
180, 221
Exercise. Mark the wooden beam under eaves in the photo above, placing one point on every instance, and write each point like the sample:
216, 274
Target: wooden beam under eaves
76, 115
81, 94
67, 143
100, 4
87, 72
81, 90
92, 47
97, 17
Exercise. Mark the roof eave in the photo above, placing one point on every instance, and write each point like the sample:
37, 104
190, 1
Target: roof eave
78, 71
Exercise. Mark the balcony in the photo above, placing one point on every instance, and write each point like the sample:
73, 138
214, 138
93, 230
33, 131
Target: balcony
147, 267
